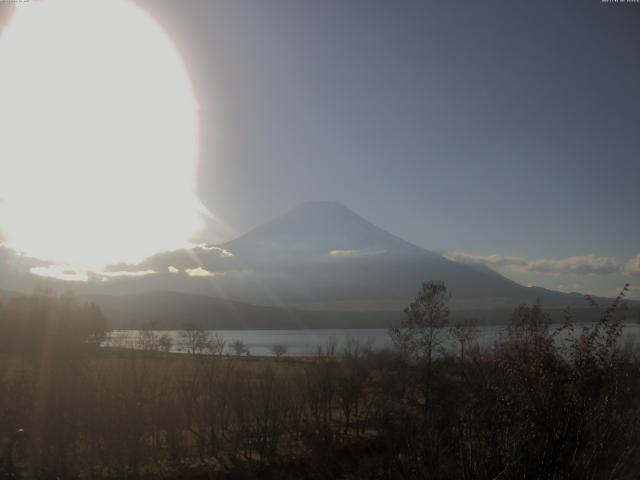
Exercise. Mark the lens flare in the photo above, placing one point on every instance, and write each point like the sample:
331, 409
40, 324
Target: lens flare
98, 135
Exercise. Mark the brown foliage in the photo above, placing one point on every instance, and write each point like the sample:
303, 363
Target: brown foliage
540, 403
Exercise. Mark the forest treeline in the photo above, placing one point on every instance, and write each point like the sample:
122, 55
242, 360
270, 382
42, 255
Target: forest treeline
540, 403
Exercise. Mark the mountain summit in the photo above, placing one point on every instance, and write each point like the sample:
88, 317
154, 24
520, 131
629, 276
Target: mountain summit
320, 228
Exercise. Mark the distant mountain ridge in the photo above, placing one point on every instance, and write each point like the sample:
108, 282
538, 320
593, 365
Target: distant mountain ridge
320, 264
174, 311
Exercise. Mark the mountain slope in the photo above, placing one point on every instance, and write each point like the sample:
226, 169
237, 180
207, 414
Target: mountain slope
318, 265
323, 251
318, 228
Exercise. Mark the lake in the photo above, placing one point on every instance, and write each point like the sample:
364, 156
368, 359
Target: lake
306, 342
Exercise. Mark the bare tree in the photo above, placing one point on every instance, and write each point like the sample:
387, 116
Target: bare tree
352, 379
148, 341
194, 339
279, 350
465, 333
165, 342
216, 344
239, 348
422, 331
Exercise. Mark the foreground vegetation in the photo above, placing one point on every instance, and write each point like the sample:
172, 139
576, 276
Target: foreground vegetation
531, 406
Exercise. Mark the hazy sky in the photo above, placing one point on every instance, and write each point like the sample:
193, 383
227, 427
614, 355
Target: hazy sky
492, 127
504, 132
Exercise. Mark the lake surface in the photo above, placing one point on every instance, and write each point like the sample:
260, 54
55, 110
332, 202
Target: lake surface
306, 342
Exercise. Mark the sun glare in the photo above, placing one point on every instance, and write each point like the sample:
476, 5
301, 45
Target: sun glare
98, 134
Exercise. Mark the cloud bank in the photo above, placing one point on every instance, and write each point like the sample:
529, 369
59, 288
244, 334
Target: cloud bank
574, 265
201, 272
632, 267
578, 265
60, 272
355, 253
489, 260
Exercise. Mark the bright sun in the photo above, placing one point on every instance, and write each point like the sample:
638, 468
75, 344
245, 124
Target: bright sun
98, 135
